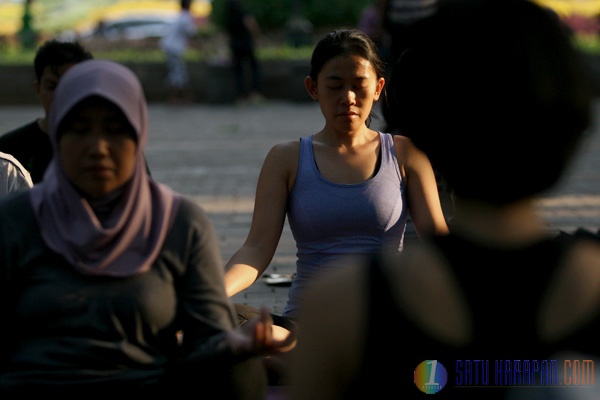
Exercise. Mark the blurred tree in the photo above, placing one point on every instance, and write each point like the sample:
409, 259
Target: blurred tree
334, 13
298, 27
275, 14
270, 14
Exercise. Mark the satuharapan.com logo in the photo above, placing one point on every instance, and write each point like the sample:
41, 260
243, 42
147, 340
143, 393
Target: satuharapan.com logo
431, 376
523, 372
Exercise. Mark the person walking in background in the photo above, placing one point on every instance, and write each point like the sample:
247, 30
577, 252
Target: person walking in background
389, 111
472, 314
398, 19
371, 23
109, 280
243, 30
174, 44
13, 176
346, 189
30, 143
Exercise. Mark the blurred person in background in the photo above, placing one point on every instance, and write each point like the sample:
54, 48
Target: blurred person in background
243, 31
30, 143
398, 19
13, 176
174, 44
371, 23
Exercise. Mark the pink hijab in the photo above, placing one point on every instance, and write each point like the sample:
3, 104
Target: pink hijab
131, 236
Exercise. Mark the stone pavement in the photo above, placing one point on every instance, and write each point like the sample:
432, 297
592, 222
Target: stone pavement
214, 153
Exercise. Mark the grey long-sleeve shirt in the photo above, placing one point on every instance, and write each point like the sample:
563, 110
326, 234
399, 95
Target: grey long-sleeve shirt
62, 328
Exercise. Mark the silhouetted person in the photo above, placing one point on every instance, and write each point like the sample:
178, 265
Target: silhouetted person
242, 29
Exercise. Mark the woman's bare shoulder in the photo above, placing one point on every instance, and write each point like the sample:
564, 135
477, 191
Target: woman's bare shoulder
402, 142
427, 291
285, 150
290, 145
405, 148
573, 296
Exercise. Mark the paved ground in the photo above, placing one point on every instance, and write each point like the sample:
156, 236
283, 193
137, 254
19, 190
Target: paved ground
214, 153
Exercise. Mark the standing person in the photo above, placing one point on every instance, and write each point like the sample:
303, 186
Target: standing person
346, 189
501, 292
370, 22
30, 143
13, 176
108, 279
399, 17
175, 43
27, 35
389, 111
242, 29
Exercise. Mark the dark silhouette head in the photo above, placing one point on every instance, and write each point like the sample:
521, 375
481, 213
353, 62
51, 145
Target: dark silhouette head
495, 94
56, 54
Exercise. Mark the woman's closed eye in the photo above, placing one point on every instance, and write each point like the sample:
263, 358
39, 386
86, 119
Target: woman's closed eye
109, 127
355, 88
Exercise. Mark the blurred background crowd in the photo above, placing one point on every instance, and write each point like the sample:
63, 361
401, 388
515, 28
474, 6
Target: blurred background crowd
108, 24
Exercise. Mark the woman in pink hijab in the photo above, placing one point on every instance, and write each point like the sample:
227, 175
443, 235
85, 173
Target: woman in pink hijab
108, 279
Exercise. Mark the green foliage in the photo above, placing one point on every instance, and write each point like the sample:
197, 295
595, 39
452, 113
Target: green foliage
17, 56
53, 16
285, 52
589, 44
336, 13
270, 14
298, 20
274, 14
13, 55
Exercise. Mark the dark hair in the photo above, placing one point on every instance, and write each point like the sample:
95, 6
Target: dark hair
185, 4
389, 104
346, 41
55, 54
496, 95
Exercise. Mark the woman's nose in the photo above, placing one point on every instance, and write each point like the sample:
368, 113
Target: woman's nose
99, 142
349, 96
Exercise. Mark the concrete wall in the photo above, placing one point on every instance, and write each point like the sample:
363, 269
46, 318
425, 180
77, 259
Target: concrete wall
282, 80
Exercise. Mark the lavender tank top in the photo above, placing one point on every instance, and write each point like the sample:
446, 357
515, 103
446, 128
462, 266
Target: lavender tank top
331, 221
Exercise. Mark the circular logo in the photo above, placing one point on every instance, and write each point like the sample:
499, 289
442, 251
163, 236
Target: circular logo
430, 376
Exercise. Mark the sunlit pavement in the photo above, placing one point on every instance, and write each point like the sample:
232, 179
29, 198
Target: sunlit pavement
214, 154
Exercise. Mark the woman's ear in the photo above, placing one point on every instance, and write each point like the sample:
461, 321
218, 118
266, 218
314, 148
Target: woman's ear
311, 87
379, 88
